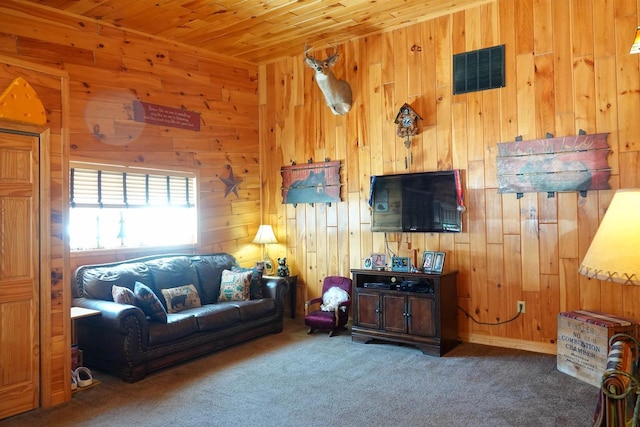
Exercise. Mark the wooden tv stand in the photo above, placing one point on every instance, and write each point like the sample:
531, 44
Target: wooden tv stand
422, 313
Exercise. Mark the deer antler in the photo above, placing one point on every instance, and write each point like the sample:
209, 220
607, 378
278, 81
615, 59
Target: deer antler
306, 51
335, 52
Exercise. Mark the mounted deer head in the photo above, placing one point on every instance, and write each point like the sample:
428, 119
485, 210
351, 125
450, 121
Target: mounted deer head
336, 92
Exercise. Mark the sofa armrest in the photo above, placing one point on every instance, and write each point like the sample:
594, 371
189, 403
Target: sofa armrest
113, 315
310, 303
275, 287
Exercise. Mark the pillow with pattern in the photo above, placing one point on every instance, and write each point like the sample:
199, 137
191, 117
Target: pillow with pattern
149, 303
123, 295
234, 286
255, 288
181, 297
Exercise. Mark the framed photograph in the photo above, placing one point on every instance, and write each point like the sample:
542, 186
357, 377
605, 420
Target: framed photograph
427, 261
367, 264
379, 260
400, 263
438, 263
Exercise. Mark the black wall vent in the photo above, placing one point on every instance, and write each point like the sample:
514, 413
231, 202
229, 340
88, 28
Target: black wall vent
478, 70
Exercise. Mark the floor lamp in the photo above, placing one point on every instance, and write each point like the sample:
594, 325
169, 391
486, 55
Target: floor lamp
614, 253
266, 236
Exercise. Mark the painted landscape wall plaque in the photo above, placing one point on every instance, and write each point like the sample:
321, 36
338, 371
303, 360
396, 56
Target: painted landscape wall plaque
311, 183
570, 163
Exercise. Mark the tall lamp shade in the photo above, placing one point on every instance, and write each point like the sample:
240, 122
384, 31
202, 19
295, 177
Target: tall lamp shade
614, 253
635, 48
265, 236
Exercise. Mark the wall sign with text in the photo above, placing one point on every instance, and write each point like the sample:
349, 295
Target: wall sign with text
155, 114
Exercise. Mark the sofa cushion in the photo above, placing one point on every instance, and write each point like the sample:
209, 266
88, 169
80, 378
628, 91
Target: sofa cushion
169, 272
234, 286
149, 303
213, 317
180, 298
98, 281
178, 325
209, 270
255, 288
123, 295
255, 309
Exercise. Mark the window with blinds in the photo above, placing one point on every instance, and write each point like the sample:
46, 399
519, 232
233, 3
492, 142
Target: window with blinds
115, 206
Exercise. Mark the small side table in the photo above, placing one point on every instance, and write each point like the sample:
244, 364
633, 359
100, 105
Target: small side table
78, 313
292, 281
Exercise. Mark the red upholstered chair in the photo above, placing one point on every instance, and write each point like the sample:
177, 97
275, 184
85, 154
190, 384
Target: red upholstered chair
335, 320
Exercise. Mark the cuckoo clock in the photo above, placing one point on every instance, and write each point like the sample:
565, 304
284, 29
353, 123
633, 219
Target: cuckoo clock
407, 121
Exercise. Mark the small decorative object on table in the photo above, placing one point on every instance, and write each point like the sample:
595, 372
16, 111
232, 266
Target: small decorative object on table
438, 263
283, 268
400, 263
379, 261
427, 261
368, 263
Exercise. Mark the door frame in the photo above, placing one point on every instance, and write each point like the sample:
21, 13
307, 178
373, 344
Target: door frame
55, 291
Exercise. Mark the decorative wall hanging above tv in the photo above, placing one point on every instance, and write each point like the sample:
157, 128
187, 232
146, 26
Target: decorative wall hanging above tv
311, 183
478, 70
423, 202
570, 163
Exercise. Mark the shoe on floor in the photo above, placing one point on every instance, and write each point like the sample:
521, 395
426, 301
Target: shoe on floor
83, 376
74, 382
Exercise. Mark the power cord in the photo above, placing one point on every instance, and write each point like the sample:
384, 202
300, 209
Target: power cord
386, 243
487, 323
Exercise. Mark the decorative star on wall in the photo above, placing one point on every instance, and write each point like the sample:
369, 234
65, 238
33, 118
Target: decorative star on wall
231, 183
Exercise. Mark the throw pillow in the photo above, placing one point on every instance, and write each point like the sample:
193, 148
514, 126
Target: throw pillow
123, 295
149, 303
234, 286
333, 297
180, 298
255, 288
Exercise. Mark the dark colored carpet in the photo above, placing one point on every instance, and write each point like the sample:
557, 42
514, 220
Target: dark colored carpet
295, 379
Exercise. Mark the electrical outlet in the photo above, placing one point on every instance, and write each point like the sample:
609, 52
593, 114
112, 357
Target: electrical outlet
521, 307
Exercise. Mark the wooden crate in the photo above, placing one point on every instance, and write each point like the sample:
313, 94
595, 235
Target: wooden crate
583, 342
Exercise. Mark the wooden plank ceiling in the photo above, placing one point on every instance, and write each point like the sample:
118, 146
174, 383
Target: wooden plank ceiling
259, 31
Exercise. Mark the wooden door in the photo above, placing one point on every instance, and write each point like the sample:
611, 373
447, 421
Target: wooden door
394, 313
422, 320
19, 273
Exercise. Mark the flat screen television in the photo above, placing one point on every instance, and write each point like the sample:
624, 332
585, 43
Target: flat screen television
423, 202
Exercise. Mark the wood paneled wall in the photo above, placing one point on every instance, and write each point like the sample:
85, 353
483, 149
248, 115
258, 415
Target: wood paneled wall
108, 68
567, 68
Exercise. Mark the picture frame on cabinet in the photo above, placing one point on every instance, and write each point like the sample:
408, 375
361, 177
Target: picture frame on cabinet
400, 263
367, 264
438, 263
379, 261
427, 261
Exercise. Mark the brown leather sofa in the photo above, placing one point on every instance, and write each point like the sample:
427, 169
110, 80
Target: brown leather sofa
125, 341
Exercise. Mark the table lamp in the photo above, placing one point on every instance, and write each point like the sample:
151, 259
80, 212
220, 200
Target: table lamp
635, 47
614, 253
265, 236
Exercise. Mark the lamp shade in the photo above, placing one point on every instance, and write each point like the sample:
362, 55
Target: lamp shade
614, 254
635, 48
265, 235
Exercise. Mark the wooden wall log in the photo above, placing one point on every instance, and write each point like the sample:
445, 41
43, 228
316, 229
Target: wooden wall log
563, 72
